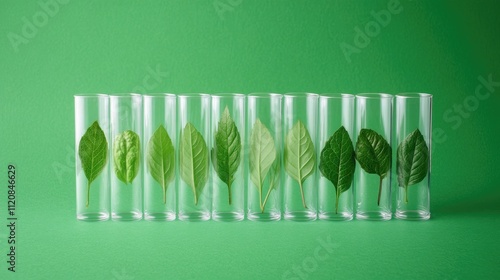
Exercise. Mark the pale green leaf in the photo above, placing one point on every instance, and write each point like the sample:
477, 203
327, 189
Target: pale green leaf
193, 159
126, 154
263, 156
160, 158
299, 157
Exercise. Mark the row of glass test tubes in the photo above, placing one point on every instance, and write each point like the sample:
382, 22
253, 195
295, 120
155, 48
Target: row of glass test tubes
262, 156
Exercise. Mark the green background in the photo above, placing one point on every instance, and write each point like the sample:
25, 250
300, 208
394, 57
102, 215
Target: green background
248, 46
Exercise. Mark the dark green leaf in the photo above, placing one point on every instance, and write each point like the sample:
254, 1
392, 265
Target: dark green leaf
374, 155
226, 153
337, 162
160, 158
126, 153
412, 160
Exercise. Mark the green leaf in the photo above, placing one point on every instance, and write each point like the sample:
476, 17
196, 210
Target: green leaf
374, 155
160, 159
337, 162
126, 155
274, 172
93, 153
299, 157
262, 156
193, 159
412, 160
273, 178
226, 154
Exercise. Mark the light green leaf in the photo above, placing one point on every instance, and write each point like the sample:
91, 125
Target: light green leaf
337, 162
273, 178
275, 172
374, 155
160, 159
412, 160
193, 159
226, 154
299, 157
262, 156
126, 154
93, 153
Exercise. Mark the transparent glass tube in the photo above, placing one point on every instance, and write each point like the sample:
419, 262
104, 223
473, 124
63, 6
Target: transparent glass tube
228, 135
299, 156
264, 151
193, 124
413, 156
92, 151
373, 187
336, 117
160, 146
126, 156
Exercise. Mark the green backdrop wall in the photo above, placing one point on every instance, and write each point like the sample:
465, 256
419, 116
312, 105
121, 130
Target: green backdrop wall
52, 49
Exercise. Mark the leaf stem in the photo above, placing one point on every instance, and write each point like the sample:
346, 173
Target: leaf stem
406, 194
88, 194
229, 191
164, 194
337, 201
302, 195
260, 199
379, 191
267, 196
195, 192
